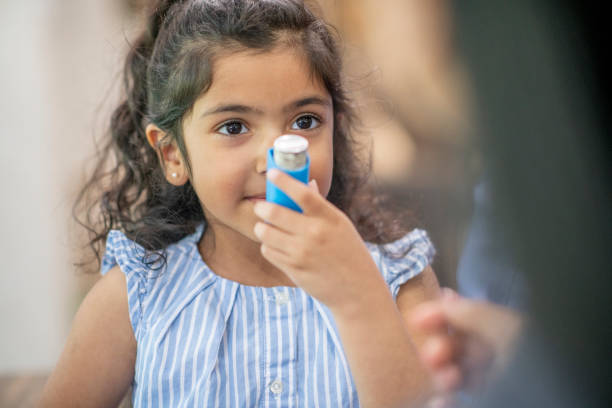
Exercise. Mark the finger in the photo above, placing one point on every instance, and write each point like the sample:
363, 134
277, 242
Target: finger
438, 351
312, 184
492, 323
281, 217
448, 378
429, 317
308, 200
276, 257
273, 237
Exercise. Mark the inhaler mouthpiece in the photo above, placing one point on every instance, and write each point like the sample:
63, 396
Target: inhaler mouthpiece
290, 152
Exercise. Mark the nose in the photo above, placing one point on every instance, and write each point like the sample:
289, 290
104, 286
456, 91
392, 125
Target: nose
261, 162
261, 165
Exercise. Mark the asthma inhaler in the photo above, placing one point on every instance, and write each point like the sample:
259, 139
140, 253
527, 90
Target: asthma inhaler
290, 155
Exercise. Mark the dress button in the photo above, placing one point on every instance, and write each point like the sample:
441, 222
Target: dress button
276, 386
282, 298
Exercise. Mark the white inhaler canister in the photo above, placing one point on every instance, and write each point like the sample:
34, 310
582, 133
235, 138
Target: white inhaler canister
290, 155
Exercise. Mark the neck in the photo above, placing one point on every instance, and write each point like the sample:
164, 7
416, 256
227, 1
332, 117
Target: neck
236, 257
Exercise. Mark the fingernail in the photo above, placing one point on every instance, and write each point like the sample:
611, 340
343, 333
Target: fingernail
258, 207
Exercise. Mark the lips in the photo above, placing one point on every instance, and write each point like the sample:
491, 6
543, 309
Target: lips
256, 197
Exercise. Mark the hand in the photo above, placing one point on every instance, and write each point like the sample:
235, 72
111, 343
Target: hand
320, 250
465, 340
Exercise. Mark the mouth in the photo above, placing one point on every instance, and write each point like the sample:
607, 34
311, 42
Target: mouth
256, 197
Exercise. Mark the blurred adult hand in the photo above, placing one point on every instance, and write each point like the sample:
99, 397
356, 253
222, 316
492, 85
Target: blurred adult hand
466, 341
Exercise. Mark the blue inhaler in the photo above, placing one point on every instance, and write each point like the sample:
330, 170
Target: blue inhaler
290, 155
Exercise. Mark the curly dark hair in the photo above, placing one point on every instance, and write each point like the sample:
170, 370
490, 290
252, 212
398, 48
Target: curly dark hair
166, 70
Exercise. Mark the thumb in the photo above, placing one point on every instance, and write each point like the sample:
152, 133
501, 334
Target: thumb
496, 325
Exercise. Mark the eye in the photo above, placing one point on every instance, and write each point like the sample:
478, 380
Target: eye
232, 128
305, 122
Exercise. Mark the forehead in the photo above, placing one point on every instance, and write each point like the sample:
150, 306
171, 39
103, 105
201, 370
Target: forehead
265, 80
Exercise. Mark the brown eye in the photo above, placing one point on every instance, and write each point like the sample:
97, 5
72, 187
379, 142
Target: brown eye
305, 122
232, 128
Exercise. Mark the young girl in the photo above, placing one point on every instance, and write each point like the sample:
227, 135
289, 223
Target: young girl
210, 295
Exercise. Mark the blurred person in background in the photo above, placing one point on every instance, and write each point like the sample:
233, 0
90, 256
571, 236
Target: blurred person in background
540, 82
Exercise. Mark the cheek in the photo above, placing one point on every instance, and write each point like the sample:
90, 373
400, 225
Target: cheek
322, 167
217, 181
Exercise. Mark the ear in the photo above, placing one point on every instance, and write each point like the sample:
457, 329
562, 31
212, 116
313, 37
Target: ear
170, 157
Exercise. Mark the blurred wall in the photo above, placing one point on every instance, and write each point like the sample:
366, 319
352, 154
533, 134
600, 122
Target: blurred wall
57, 59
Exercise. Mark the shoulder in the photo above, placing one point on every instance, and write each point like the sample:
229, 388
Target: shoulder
110, 288
124, 252
171, 274
422, 287
404, 259
134, 259
414, 244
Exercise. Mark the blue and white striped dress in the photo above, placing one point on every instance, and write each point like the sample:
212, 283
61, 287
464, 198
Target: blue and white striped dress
206, 341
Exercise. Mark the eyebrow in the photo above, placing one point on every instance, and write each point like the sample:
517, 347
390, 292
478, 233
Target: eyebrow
312, 100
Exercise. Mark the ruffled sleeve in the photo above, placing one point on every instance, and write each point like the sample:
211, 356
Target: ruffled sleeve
402, 260
129, 255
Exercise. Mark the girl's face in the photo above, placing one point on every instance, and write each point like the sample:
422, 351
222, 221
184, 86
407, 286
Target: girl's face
253, 99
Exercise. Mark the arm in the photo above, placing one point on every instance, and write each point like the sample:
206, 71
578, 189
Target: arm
97, 364
378, 337
322, 252
422, 288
